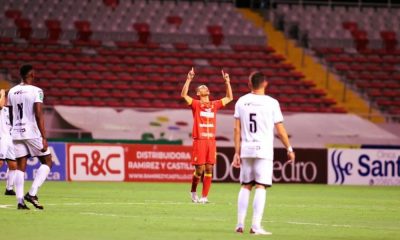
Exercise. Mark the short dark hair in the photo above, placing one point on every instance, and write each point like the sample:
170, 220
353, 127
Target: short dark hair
24, 70
256, 79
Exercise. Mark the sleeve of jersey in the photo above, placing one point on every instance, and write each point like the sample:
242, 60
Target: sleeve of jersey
39, 96
194, 104
278, 117
219, 104
236, 114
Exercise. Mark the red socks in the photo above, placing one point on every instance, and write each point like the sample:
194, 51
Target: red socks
206, 184
195, 181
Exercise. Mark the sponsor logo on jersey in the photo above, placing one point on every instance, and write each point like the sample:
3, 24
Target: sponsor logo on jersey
209, 135
253, 104
203, 125
96, 163
22, 130
41, 95
207, 114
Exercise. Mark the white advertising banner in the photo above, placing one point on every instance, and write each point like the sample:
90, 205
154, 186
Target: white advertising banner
93, 162
363, 166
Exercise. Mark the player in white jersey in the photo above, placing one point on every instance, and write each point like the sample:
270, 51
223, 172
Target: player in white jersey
256, 116
6, 143
29, 135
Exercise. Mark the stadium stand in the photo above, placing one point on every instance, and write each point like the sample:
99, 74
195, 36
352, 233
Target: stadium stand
359, 44
123, 54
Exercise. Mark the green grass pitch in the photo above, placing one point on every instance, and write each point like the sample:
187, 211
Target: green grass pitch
164, 211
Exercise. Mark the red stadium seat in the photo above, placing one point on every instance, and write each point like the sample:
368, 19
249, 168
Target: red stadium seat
216, 34
53, 29
13, 14
84, 32
143, 31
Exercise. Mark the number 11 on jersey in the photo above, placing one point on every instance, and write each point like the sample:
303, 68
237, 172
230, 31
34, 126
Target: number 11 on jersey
20, 107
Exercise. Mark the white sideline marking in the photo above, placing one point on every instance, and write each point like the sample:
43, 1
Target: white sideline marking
4, 206
320, 224
334, 225
95, 214
8, 206
126, 203
323, 206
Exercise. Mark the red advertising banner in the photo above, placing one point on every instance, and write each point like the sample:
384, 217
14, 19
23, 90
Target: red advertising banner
171, 163
158, 163
128, 162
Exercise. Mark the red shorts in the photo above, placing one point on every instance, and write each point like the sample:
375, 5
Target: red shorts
204, 152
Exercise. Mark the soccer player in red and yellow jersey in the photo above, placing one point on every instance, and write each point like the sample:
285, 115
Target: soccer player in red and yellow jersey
204, 124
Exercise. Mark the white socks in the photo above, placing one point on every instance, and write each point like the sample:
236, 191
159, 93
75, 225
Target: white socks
10, 179
258, 207
243, 202
41, 176
19, 185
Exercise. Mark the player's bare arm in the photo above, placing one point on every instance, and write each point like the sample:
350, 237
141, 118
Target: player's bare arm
283, 136
2, 98
38, 107
236, 138
229, 95
185, 89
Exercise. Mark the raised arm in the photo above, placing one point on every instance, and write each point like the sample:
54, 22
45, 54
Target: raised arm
229, 95
185, 89
283, 136
236, 138
38, 108
2, 98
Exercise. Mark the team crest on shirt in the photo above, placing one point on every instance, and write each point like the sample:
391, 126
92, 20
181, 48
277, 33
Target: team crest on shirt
208, 106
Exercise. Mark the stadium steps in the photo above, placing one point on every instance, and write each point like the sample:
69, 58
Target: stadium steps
313, 70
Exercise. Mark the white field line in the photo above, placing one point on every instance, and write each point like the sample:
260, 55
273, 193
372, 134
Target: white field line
126, 203
342, 206
112, 215
97, 214
321, 224
6, 206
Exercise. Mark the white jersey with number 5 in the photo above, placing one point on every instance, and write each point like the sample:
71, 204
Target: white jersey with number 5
258, 115
22, 99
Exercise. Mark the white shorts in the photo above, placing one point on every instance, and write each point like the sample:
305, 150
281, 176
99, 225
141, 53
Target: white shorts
29, 147
256, 171
7, 149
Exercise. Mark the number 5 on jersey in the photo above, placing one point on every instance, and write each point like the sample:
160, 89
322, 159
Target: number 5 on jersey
253, 123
